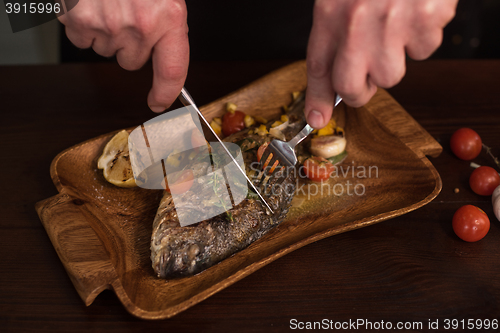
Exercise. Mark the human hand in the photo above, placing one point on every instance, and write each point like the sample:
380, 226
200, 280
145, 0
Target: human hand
357, 45
134, 30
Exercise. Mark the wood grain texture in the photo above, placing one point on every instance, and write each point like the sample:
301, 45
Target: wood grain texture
89, 211
89, 267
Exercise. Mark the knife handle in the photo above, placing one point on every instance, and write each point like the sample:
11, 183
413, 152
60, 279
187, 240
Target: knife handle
186, 98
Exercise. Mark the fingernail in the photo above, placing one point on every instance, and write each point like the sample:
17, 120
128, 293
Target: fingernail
315, 119
157, 108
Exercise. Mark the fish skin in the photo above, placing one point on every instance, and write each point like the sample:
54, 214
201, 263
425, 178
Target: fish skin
184, 251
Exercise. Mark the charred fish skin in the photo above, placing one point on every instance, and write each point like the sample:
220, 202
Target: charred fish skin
184, 251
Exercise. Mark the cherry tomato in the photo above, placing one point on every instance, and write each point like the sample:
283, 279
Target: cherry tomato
233, 122
182, 182
470, 223
484, 180
318, 168
466, 144
260, 152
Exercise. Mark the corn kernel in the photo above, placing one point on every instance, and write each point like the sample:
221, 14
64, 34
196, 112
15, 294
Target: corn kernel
276, 123
216, 127
218, 120
174, 159
285, 108
284, 118
262, 130
329, 129
250, 132
295, 94
260, 119
249, 121
231, 107
192, 155
326, 131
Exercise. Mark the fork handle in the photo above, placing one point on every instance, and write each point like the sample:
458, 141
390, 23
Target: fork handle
308, 129
301, 136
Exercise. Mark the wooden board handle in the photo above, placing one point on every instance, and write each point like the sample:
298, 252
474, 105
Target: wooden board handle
401, 124
89, 268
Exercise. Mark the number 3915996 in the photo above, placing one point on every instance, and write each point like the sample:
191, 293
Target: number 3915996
32, 8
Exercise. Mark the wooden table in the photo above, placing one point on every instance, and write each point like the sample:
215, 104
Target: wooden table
409, 269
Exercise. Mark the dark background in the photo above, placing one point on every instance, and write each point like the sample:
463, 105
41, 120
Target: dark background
279, 29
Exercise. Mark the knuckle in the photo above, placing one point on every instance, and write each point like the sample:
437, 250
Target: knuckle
347, 89
447, 12
83, 21
388, 73
450, 12
356, 94
426, 9
323, 9
425, 14
177, 12
358, 11
390, 16
144, 24
354, 16
112, 26
363, 97
317, 69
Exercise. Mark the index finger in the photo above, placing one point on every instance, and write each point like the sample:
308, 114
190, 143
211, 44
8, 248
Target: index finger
320, 56
170, 65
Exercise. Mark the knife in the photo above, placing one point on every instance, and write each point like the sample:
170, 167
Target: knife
211, 136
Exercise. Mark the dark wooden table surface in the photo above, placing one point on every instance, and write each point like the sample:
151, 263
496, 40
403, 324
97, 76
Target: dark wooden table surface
409, 269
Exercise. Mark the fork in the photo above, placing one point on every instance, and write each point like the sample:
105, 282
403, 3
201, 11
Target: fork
283, 153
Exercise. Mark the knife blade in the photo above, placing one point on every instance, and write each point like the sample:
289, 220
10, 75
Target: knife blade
211, 136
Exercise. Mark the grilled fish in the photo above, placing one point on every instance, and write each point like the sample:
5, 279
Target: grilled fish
184, 251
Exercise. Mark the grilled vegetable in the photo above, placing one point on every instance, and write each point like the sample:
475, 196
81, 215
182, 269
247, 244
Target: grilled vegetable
327, 146
233, 122
115, 161
318, 169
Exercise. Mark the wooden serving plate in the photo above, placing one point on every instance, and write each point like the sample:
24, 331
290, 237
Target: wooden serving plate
102, 233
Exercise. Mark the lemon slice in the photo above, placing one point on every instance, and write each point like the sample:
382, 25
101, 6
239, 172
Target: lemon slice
115, 161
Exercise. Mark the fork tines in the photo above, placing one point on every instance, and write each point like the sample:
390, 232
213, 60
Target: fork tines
272, 171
